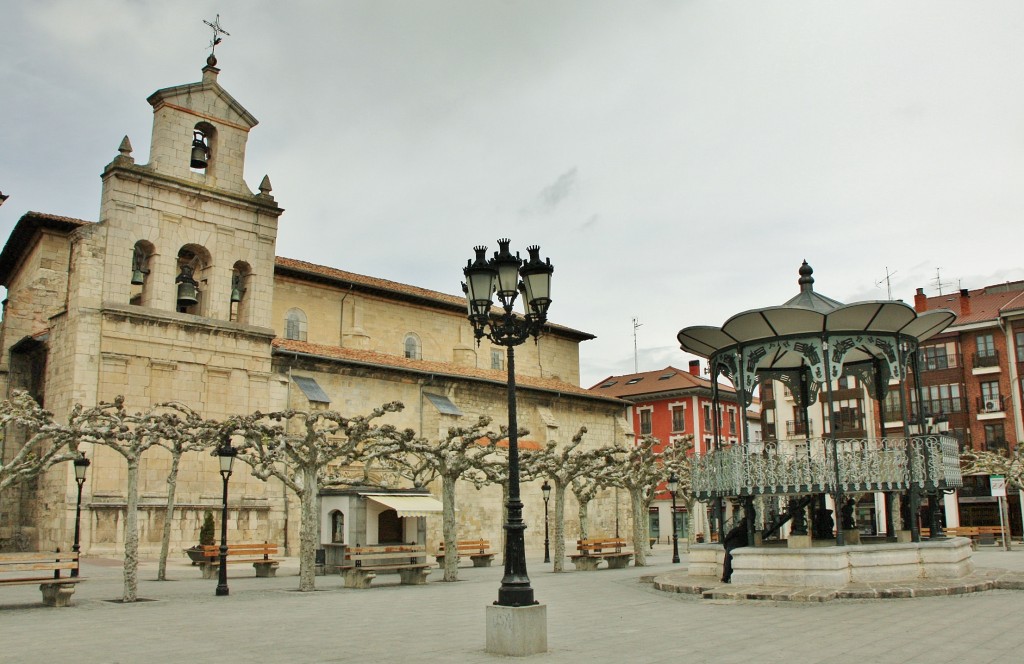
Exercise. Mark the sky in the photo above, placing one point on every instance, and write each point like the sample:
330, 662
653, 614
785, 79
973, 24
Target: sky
676, 160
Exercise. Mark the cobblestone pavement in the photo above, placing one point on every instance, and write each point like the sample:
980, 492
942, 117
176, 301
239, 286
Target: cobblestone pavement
610, 615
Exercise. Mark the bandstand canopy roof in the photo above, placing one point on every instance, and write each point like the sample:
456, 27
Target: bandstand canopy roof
810, 314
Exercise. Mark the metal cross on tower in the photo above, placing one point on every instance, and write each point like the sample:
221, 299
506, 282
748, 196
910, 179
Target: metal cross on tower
217, 30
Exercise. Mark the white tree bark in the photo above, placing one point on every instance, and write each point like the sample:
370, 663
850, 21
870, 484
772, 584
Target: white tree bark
308, 529
131, 534
639, 506
165, 537
559, 554
449, 528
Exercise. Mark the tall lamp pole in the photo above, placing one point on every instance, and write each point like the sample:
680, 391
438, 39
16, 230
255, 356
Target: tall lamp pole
501, 275
546, 490
673, 486
226, 455
81, 464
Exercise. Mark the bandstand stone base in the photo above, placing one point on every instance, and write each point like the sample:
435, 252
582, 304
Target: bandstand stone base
517, 631
841, 565
799, 541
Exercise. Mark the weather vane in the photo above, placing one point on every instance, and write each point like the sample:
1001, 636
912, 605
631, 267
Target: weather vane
217, 30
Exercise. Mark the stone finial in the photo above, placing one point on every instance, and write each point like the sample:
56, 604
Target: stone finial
124, 152
265, 187
806, 281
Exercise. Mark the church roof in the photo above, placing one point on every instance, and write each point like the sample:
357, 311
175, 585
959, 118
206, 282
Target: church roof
24, 231
187, 95
371, 358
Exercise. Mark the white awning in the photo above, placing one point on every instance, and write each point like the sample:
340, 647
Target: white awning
408, 505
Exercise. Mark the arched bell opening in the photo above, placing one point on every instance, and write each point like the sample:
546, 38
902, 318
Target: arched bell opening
239, 300
190, 283
142, 258
203, 144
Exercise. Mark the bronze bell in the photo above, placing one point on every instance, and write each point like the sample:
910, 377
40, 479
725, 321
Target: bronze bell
187, 294
200, 151
138, 277
236, 294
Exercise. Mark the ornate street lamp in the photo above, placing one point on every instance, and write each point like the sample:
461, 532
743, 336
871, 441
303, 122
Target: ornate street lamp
81, 464
226, 455
545, 489
673, 486
507, 276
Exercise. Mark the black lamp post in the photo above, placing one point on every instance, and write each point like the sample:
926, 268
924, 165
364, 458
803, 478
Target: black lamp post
81, 464
546, 490
501, 274
226, 455
673, 486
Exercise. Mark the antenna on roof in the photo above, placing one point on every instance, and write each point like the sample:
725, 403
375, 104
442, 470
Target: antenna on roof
938, 282
888, 283
636, 324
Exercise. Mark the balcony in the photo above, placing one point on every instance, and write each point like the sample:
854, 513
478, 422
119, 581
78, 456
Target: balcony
938, 407
996, 404
936, 362
990, 359
797, 428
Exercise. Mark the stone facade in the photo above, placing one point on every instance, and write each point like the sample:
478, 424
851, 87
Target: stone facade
94, 310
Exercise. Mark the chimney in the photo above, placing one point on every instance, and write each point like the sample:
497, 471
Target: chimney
965, 302
695, 367
920, 301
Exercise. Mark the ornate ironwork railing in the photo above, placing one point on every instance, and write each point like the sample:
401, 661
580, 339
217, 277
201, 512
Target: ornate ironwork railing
796, 467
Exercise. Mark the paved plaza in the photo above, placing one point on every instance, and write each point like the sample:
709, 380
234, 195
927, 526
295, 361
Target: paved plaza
608, 615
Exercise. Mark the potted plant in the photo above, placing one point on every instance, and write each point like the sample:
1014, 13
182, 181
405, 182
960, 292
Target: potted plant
206, 535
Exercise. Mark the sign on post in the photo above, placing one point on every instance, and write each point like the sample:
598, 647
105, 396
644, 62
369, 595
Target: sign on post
998, 485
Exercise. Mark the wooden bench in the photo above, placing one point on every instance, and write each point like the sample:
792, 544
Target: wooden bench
478, 550
257, 554
363, 562
593, 551
45, 568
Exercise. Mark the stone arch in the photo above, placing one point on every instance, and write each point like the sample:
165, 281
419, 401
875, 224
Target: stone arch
193, 267
204, 145
240, 300
412, 346
141, 292
295, 324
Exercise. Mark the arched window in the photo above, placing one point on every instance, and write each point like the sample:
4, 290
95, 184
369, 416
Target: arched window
190, 284
338, 527
295, 325
239, 300
141, 256
202, 152
412, 347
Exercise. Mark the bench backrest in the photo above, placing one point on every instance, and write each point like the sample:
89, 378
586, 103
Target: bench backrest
479, 546
39, 561
385, 553
599, 545
248, 550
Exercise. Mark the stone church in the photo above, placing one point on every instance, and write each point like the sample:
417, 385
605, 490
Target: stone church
176, 293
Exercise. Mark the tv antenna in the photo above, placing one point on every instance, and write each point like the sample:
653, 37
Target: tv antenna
636, 366
217, 30
939, 283
888, 283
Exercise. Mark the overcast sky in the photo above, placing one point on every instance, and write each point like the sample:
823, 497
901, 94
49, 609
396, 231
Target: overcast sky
676, 160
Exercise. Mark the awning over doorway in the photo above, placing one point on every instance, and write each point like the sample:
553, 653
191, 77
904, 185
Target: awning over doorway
408, 505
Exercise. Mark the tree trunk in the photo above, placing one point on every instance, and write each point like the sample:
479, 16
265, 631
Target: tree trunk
637, 504
449, 529
131, 534
559, 554
165, 537
307, 531
584, 518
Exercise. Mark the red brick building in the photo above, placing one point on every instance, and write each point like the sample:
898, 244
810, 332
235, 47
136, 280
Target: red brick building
670, 404
971, 374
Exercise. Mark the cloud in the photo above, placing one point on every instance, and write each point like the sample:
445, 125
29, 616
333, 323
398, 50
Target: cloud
551, 196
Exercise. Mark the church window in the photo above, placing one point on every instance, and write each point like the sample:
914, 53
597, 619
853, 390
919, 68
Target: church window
295, 325
412, 347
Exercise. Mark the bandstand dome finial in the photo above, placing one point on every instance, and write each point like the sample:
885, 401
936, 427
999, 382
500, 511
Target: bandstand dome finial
806, 281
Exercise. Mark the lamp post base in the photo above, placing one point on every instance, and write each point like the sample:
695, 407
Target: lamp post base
517, 631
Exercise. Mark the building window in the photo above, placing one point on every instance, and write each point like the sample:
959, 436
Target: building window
938, 356
337, 527
707, 417
1020, 346
645, 421
498, 359
990, 396
995, 439
938, 400
986, 345
412, 347
678, 418
295, 325
732, 422
892, 410
634, 381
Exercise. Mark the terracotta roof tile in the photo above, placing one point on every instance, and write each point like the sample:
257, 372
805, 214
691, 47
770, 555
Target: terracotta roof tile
668, 379
986, 304
425, 366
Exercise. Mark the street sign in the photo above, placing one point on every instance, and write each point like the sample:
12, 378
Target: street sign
998, 484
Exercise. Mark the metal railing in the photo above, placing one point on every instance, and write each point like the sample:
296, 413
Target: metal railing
884, 464
798, 428
996, 404
986, 360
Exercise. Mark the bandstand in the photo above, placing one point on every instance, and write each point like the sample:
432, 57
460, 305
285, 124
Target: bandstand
757, 488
